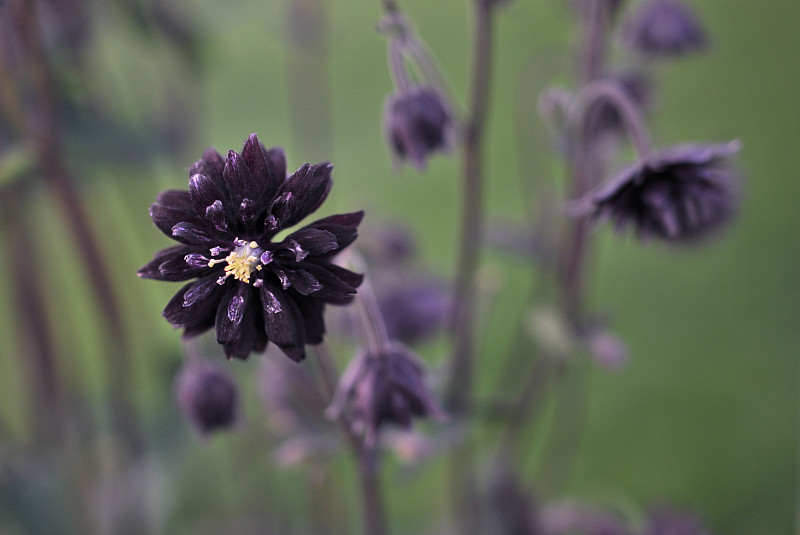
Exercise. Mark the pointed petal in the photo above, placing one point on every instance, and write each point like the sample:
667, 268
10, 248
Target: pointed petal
166, 218
302, 193
210, 164
230, 313
238, 179
195, 303
315, 241
175, 199
151, 271
265, 175
203, 191
283, 322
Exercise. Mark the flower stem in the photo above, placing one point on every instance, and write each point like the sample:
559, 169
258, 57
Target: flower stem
372, 505
466, 502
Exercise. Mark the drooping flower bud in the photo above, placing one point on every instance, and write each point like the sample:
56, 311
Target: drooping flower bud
381, 388
664, 28
208, 396
417, 124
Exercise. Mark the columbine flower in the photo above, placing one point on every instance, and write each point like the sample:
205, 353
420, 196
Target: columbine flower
418, 123
251, 288
385, 387
207, 395
664, 28
675, 194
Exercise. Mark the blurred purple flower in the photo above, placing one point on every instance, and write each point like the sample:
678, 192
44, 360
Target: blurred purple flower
381, 388
668, 521
207, 396
664, 28
676, 194
416, 310
418, 123
253, 290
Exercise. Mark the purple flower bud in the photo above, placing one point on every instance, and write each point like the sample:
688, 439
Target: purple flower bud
417, 124
664, 28
676, 194
415, 311
207, 395
383, 388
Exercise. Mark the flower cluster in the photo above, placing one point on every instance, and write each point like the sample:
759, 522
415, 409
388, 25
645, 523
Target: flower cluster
253, 288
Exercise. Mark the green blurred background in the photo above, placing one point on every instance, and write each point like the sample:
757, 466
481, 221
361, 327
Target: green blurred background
704, 415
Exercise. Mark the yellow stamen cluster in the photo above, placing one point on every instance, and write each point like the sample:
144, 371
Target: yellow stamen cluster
242, 261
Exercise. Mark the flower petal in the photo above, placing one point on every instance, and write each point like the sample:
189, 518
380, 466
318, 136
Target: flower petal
166, 217
267, 177
203, 297
302, 193
238, 179
203, 191
334, 289
175, 199
231, 311
151, 271
210, 164
315, 241
283, 321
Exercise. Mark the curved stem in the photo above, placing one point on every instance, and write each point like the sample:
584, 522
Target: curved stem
599, 90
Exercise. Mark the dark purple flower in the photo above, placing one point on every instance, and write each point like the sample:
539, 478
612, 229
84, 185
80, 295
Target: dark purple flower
252, 289
418, 123
664, 28
385, 387
675, 194
207, 395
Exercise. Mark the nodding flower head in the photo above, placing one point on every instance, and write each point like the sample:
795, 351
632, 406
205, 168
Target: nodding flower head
664, 28
208, 396
676, 194
252, 287
384, 387
418, 123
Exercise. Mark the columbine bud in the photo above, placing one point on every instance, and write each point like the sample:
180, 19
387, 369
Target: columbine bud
664, 28
381, 388
207, 395
417, 124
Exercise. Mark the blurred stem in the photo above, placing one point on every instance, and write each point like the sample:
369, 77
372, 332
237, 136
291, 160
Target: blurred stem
584, 169
309, 102
374, 515
463, 484
46, 383
44, 133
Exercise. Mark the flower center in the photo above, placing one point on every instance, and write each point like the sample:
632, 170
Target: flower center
242, 261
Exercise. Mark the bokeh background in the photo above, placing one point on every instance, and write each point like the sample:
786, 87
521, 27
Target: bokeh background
704, 415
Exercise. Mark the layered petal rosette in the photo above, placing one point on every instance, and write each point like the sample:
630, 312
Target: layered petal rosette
249, 285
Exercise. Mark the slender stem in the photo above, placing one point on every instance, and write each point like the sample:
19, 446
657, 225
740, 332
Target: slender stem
471, 215
373, 509
463, 487
44, 133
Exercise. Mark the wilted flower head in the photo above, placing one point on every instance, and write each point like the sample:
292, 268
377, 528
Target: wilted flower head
675, 194
418, 123
385, 387
207, 395
664, 28
251, 288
